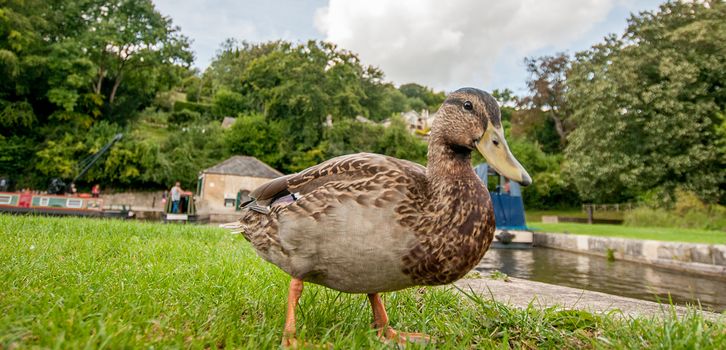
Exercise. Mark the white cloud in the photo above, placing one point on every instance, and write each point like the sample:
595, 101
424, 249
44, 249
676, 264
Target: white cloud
454, 43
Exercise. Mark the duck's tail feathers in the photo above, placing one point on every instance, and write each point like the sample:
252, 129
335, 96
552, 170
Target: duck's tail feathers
234, 227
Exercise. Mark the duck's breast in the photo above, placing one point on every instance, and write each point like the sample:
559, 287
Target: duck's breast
351, 244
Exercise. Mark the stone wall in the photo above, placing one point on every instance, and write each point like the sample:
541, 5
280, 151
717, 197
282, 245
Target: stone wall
709, 259
149, 201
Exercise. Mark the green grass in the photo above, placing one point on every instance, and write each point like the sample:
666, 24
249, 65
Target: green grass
69, 283
153, 131
652, 233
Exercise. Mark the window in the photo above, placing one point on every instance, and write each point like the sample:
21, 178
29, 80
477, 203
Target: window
200, 186
5, 199
229, 202
44, 201
74, 203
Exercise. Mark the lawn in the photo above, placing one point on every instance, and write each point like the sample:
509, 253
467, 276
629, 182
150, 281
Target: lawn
71, 283
652, 233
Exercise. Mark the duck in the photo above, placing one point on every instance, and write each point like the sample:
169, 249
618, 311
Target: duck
368, 223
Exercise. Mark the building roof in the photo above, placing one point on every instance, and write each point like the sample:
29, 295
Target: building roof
244, 166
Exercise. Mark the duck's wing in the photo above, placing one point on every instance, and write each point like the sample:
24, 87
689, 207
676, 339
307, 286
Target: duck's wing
343, 169
354, 167
291, 218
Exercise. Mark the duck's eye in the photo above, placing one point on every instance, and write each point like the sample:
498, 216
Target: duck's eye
468, 106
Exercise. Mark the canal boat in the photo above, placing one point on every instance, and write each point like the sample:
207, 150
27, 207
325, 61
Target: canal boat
506, 196
59, 205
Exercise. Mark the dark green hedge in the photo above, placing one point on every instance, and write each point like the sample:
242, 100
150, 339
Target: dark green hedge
201, 108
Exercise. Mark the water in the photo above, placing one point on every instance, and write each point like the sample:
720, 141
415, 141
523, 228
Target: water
618, 277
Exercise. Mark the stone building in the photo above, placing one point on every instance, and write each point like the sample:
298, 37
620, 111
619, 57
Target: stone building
224, 186
418, 121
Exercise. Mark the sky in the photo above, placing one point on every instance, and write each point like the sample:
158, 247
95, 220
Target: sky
442, 44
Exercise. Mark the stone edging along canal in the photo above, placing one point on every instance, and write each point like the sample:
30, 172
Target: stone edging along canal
706, 259
522, 293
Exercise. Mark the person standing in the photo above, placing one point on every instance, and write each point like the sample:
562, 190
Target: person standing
96, 191
175, 194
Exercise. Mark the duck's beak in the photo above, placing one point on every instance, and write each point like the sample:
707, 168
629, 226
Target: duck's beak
494, 148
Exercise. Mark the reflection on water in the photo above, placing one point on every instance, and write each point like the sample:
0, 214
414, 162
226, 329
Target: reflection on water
618, 277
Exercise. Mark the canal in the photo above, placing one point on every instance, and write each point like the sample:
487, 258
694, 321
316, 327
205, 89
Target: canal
613, 277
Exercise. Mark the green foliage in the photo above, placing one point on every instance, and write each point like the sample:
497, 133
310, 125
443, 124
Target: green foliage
57, 157
72, 69
299, 85
499, 276
689, 211
350, 136
254, 136
536, 126
228, 103
289, 84
192, 88
398, 142
649, 105
15, 151
260, 137
184, 116
421, 97
232, 60
16, 115
197, 107
550, 187
610, 254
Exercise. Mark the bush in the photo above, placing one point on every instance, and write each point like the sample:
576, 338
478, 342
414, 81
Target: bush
184, 116
201, 108
165, 100
688, 212
228, 103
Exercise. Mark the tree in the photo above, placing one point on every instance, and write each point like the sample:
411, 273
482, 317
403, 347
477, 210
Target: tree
71, 68
129, 36
548, 87
232, 59
253, 135
397, 141
228, 103
649, 106
504, 97
418, 93
351, 136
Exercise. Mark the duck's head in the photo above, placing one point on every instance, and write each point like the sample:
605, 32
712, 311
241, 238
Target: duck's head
470, 119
